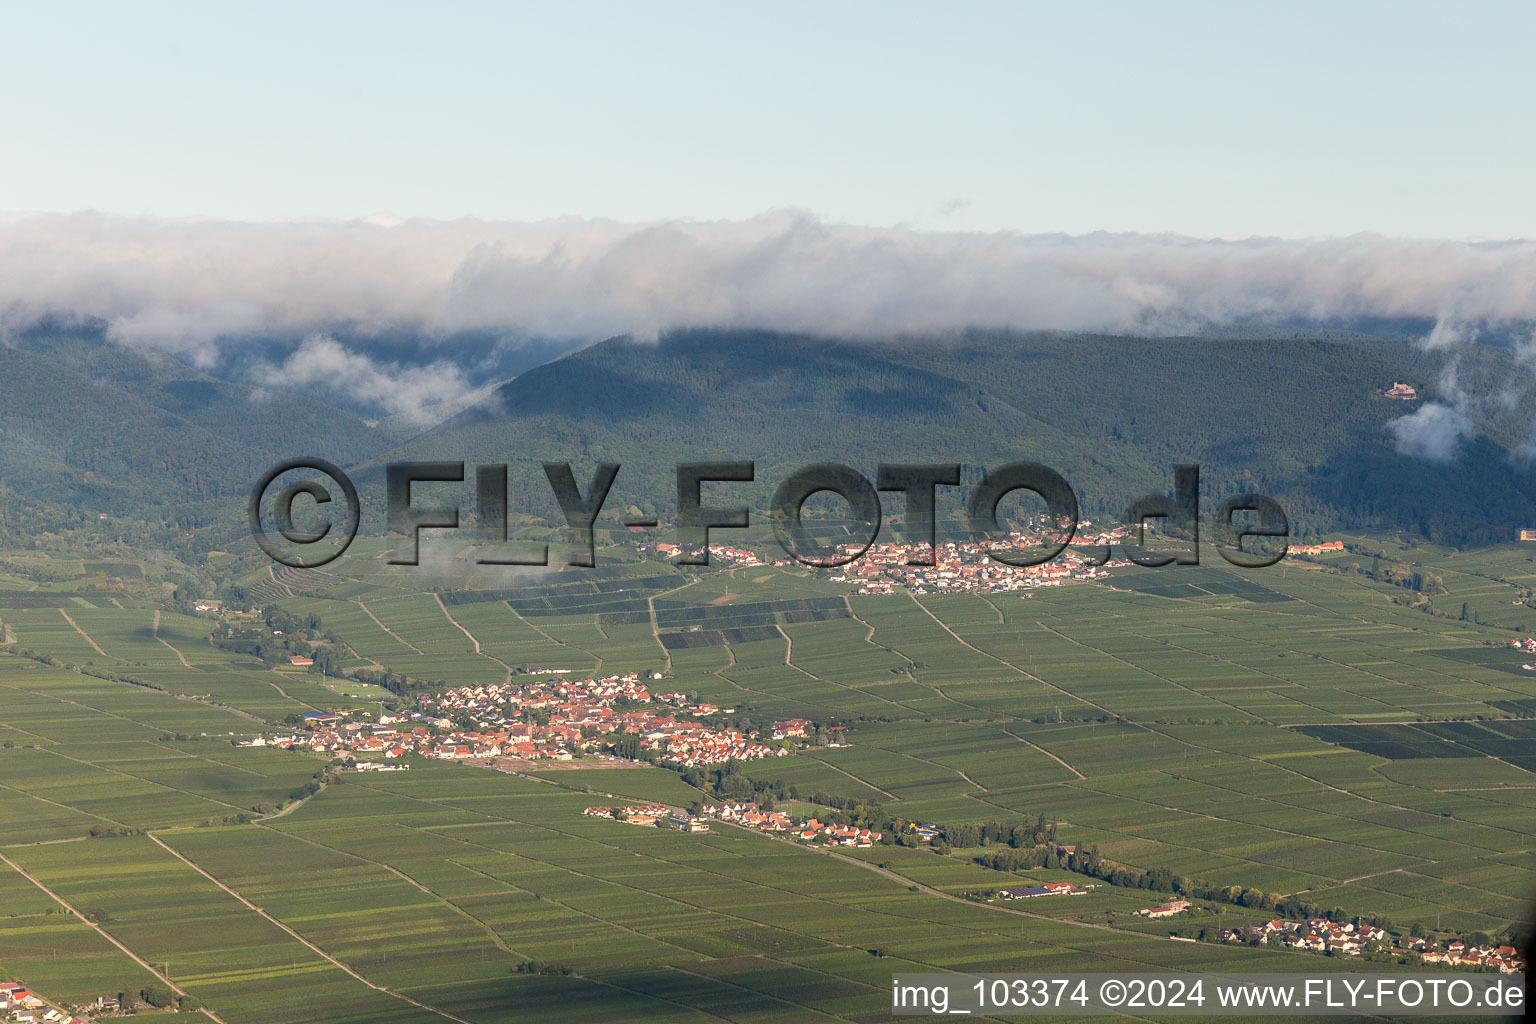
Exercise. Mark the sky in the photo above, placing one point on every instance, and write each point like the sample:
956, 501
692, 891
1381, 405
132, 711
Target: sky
1209, 120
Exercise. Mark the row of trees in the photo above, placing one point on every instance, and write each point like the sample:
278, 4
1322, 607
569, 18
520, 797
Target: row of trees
727, 782
160, 997
1415, 580
1025, 835
1088, 861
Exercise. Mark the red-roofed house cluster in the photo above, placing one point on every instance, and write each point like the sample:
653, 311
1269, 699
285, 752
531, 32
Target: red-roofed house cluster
1320, 935
551, 718
546, 719
1507, 959
961, 568
19, 1005
1327, 547
750, 815
718, 554
635, 814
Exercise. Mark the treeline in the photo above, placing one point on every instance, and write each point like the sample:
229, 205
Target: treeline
159, 997
287, 635
727, 782
1023, 836
85, 670
38, 572
1088, 861
394, 682
283, 635
1428, 584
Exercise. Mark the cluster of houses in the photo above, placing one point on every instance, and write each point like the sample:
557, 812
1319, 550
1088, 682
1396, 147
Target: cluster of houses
650, 816
547, 719
1320, 935
335, 734
1327, 547
957, 568
1528, 645
1507, 959
1029, 892
635, 814
750, 815
551, 718
719, 554
965, 568
19, 1005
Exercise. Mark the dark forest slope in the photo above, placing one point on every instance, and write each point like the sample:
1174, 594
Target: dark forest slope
1302, 420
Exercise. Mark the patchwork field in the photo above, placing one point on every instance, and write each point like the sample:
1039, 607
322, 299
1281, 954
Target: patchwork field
1290, 730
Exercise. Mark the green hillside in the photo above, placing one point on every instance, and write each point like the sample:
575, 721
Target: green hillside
1301, 420
87, 427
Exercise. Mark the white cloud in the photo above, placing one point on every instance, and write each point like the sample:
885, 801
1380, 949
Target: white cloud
189, 285
411, 392
1434, 432
199, 288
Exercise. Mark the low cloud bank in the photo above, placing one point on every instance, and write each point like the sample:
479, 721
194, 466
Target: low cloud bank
198, 288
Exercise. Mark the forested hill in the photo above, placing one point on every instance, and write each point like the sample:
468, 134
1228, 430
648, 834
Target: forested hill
88, 428
1301, 420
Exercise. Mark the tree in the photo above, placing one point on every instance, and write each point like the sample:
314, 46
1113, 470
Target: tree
158, 996
963, 836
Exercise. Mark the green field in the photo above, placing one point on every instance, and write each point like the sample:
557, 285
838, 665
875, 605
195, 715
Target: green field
1292, 730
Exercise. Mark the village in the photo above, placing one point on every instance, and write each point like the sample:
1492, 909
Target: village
744, 814
1320, 935
618, 718
958, 567
965, 568
1526, 645
550, 719
18, 1005
719, 554
1353, 938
